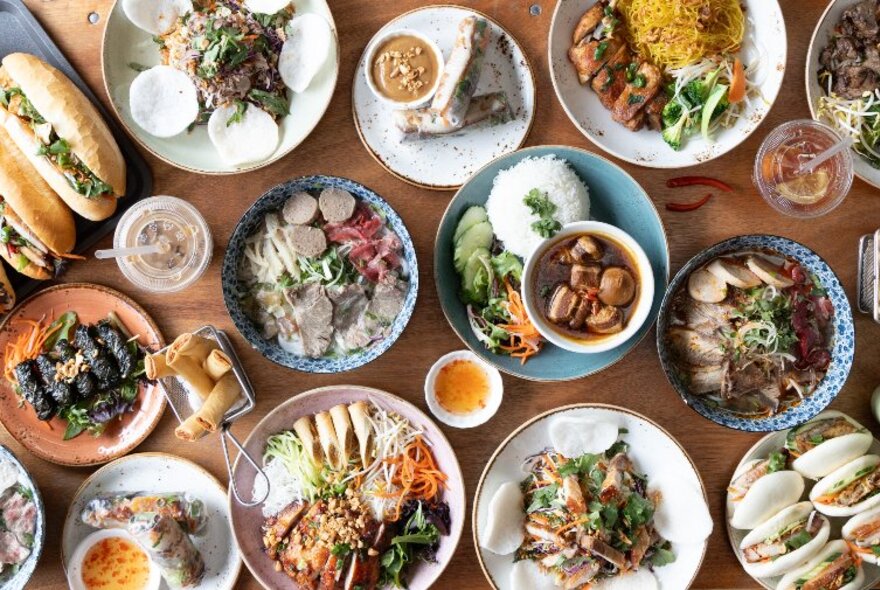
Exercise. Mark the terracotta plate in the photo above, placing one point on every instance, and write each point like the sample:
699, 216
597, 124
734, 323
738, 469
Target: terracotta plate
91, 303
246, 521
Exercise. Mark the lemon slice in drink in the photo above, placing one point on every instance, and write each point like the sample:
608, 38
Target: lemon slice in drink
807, 189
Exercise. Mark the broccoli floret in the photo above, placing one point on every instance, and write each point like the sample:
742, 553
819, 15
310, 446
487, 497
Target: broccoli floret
673, 134
695, 92
672, 112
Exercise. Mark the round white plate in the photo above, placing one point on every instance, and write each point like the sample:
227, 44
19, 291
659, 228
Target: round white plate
762, 449
653, 451
765, 36
164, 473
126, 44
821, 35
445, 162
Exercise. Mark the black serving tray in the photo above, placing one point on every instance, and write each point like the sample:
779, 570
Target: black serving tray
20, 31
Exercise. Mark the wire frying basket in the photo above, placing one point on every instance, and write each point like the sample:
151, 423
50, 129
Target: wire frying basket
869, 275
184, 403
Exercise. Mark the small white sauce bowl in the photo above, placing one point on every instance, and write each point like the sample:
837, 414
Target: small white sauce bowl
477, 417
74, 567
378, 42
643, 302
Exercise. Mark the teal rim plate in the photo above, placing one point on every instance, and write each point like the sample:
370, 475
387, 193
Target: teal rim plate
615, 198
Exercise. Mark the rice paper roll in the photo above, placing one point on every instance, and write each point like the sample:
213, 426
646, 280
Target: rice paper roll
462, 71
170, 548
118, 347
115, 511
491, 109
225, 393
217, 364
84, 383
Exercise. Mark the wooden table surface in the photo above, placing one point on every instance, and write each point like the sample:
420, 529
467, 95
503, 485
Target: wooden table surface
334, 148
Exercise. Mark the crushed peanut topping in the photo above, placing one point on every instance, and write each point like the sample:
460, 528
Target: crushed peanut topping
410, 77
69, 369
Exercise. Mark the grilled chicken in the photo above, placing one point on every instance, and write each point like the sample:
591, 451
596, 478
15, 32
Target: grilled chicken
588, 23
611, 79
641, 544
278, 527
602, 549
636, 123
615, 479
779, 546
654, 111
589, 57
571, 492
634, 98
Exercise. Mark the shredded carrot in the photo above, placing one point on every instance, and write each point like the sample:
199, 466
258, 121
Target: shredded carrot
417, 476
27, 345
737, 83
573, 524
525, 341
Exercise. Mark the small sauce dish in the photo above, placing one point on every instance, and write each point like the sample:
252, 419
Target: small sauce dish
111, 559
462, 390
403, 68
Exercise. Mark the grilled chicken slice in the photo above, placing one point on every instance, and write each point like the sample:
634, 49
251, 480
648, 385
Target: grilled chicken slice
588, 23
615, 479
610, 81
637, 122
571, 492
641, 544
654, 111
602, 549
364, 571
634, 98
331, 577
589, 57
277, 527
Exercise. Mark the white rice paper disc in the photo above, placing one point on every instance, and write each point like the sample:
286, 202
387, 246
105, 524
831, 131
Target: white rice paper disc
643, 579
682, 515
252, 139
307, 47
156, 17
504, 531
266, 6
163, 101
574, 437
525, 575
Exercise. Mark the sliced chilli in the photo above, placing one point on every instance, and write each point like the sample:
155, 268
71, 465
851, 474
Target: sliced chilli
688, 206
699, 180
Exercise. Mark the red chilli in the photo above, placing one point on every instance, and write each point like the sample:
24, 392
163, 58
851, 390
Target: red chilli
688, 206
698, 180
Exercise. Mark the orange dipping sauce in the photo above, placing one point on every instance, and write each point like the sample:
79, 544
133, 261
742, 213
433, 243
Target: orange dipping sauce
115, 563
462, 387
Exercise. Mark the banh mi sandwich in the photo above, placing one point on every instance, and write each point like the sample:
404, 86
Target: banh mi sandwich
760, 489
850, 489
785, 541
862, 532
36, 229
62, 134
833, 568
828, 441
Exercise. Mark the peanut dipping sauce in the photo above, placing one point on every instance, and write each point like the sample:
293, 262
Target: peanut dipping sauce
404, 68
115, 563
462, 387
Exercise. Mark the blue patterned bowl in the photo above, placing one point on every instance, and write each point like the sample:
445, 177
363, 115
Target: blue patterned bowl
18, 579
273, 200
842, 351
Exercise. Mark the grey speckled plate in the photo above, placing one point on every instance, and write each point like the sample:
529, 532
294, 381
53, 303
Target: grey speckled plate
445, 162
19, 579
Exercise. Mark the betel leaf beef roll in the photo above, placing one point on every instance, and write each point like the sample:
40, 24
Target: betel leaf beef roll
83, 383
169, 547
61, 391
33, 391
108, 511
103, 367
115, 343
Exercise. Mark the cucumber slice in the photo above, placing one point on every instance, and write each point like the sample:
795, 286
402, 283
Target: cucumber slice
478, 236
471, 217
475, 278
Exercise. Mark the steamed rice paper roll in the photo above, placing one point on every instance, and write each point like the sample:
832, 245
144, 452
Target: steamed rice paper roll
344, 433
156, 366
225, 393
170, 548
112, 511
493, 108
328, 440
462, 71
363, 430
217, 364
193, 373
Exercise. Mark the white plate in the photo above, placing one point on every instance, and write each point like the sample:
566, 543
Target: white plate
444, 163
762, 449
164, 473
125, 44
653, 451
821, 34
647, 148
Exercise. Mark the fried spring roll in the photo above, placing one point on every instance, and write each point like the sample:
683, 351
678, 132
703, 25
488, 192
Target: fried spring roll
344, 432
225, 393
191, 371
190, 429
327, 437
170, 548
363, 430
115, 511
156, 366
305, 430
491, 109
217, 364
192, 346
462, 71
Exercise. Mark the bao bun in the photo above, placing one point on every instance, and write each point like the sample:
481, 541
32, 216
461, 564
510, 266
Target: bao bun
766, 497
838, 480
789, 581
857, 521
787, 562
835, 452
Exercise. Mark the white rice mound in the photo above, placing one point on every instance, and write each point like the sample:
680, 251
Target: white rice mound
512, 219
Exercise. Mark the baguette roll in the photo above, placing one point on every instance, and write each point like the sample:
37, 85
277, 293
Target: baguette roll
36, 229
344, 433
92, 157
305, 430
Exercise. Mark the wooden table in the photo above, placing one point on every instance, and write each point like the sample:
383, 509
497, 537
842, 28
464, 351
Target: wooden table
334, 148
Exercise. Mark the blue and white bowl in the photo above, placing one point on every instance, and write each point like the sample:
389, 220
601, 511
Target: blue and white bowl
18, 579
273, 200
843, 343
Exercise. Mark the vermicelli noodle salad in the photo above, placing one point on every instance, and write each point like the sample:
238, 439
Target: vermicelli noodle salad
674, 66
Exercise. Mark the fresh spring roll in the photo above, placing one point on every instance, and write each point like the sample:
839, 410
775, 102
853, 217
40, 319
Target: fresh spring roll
193, 346
103, 367
344, 433
762, 488
850, 489
462, 71
785, 541
225, 393
493, 109
217, 364
305, 431
192, 372
113, 511
830, 440
156, 366
833, 568
363, 430
169, 547
862, 531
328, 440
